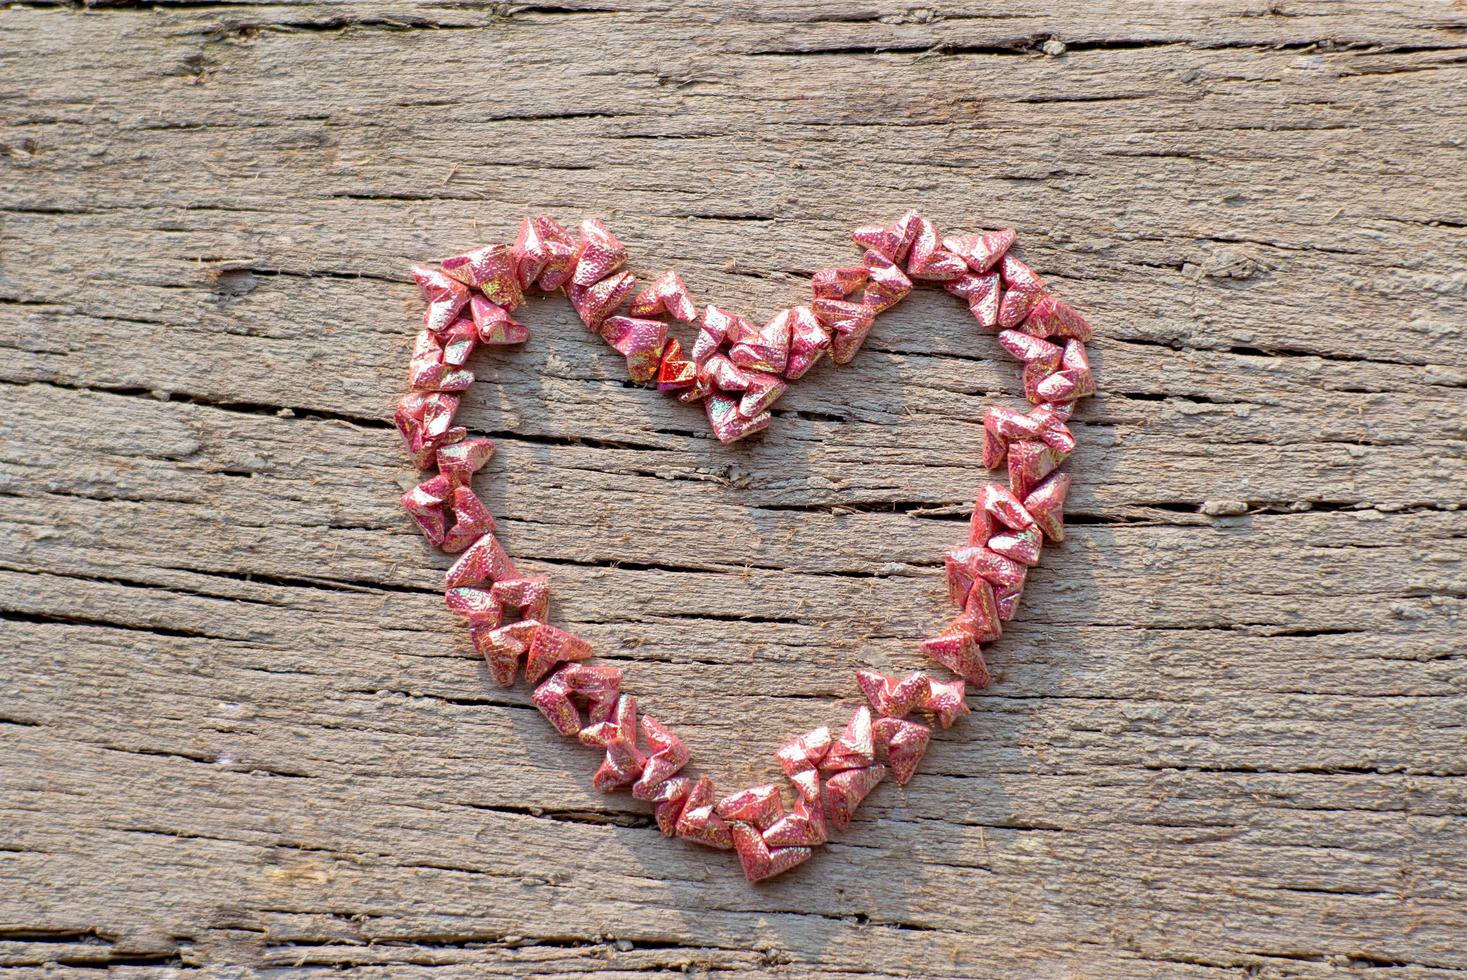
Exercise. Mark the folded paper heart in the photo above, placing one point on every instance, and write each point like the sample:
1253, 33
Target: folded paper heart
738, 370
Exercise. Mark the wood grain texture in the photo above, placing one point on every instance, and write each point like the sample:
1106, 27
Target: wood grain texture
239, 735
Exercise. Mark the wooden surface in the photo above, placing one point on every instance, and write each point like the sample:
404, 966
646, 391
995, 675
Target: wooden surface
238, 732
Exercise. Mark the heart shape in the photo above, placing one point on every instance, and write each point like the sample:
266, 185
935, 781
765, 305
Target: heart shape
738, 370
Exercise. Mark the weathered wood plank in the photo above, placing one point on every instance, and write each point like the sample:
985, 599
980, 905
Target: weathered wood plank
239, 732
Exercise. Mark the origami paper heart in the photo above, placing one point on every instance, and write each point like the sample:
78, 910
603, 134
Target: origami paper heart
738, 370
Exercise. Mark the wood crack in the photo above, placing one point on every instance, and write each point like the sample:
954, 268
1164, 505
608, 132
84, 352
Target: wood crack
13, 616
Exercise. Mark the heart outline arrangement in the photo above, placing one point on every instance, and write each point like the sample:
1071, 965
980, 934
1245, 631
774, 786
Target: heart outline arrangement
738, 370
